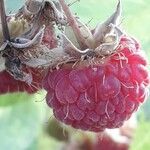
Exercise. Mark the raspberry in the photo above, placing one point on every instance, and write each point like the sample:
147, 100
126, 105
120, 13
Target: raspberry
9, 84
112, 141
103, 95
25, 49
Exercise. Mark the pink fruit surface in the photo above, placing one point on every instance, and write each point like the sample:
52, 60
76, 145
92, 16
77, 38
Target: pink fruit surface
9, 85
107, 142
103, 95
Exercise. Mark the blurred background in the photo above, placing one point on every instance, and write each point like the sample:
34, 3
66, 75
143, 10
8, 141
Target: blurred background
26, 123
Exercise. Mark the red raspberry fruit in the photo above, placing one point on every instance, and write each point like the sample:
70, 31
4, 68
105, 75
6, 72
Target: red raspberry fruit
109, 141
96, 97
9, 85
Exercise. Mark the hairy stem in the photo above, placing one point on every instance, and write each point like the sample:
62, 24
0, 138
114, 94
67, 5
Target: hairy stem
73, 23
4, 21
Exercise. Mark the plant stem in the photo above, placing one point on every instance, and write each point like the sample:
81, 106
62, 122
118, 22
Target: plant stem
74, 24
5, 29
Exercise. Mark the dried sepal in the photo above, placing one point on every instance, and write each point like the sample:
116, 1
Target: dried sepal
32, 7
39, 13
12, 54
71, 49
81, 40
77, 43
103, 28
15, 69
42, 57
45, 11
110, 42
16, 28
81, 31
87, 34
36, 14
21, 43
69, 33
58, 12
11, 49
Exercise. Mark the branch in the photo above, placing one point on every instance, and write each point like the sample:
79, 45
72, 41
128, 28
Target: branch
75, 27
5, 29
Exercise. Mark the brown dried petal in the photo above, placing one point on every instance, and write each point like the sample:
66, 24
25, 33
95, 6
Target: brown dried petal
102, 29
110, 42
41, 56
70, 48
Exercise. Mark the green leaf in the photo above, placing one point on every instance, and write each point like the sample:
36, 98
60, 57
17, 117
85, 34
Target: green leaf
10, 99
19, 125
142, 136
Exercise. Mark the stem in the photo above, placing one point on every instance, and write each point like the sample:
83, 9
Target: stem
5, 29
73, 23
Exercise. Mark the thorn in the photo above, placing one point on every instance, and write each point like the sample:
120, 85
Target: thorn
89, 22
42, 100
73, 3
